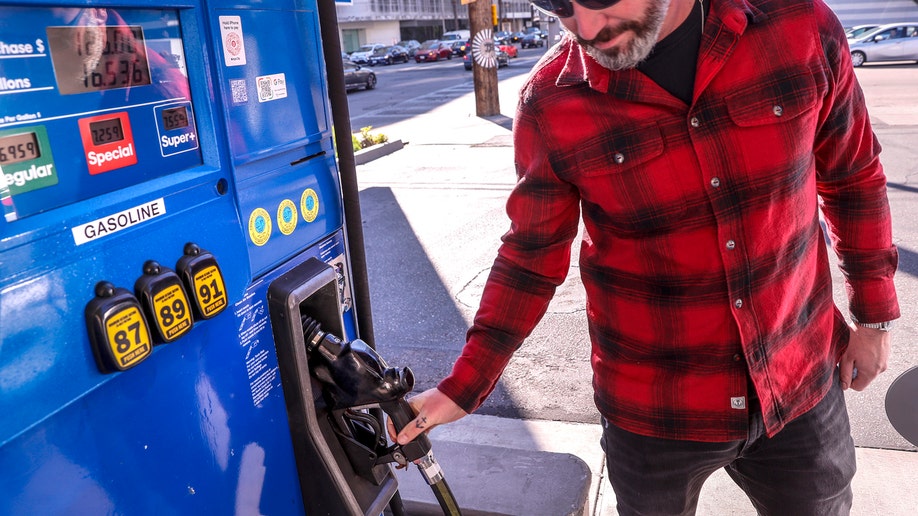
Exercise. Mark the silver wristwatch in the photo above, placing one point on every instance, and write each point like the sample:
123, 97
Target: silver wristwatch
882, 326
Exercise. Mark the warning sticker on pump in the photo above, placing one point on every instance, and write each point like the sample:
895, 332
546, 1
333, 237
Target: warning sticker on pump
259, 226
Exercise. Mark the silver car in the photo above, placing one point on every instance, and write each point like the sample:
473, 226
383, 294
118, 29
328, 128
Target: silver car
890, 42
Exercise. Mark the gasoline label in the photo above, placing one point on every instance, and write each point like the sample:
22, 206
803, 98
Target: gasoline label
309, 205
128, 337
210, 291
259, 226
286, 216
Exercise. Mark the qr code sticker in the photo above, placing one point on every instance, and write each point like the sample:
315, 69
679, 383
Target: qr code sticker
265, 92
237, 87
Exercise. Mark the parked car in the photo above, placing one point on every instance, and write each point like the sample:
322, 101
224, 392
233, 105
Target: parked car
362, 54
503, 59
859, 30
516, 37
410, 45
459, 47
503, 37
357, 77
434, 50
891, 42
389, 55
532, 40
510, 49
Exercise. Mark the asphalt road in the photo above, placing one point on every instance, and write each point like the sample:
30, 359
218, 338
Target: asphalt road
432, 226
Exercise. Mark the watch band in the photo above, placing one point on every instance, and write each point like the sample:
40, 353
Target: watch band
882, 326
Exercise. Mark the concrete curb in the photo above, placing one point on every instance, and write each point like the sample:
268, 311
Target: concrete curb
377, 151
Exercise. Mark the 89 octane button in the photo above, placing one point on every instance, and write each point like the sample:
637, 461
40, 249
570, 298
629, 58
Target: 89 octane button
118, 331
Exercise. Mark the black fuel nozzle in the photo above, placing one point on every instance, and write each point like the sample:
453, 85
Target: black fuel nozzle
354, 375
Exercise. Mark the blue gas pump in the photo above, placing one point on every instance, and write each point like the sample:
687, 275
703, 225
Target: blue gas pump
172, 206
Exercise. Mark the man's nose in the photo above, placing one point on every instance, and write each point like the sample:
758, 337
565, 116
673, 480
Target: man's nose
588, 23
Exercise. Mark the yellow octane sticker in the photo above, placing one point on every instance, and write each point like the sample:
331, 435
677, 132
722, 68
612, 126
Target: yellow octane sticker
286, 216
172, 313
128, 337
259, 226
309, 205
210, 290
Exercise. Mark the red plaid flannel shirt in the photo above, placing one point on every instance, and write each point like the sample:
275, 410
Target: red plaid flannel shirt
703, 258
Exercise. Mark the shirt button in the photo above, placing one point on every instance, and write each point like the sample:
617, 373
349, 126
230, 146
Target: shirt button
694, 121
619, 158
737, 357
777, 110
731, 244
738, 303
715, 182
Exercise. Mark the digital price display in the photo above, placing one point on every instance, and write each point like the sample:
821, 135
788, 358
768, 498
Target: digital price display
175, 118
18, 147
98, 58
106, 131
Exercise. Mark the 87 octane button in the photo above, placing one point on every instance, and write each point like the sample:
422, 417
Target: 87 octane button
118, 331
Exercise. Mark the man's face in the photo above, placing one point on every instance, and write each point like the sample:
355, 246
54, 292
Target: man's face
620, 36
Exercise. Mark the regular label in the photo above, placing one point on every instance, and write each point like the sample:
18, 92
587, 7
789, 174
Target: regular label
210, 290
128, 337
172, 313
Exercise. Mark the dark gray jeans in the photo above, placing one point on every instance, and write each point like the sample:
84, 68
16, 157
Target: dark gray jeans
805, 469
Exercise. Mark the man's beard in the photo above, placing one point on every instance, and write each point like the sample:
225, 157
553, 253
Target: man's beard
638, 48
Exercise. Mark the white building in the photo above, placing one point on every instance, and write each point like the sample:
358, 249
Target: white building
389, 21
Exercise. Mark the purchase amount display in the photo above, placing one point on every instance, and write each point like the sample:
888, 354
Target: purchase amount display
98, 58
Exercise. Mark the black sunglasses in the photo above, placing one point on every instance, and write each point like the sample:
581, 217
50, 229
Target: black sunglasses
565, 9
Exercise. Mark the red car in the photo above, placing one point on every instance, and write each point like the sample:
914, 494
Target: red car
511, 50
433, 50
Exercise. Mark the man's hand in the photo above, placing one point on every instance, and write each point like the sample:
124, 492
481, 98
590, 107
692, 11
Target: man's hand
868, 351
433, 408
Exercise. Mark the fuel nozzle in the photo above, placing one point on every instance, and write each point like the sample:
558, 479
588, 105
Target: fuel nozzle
355, 376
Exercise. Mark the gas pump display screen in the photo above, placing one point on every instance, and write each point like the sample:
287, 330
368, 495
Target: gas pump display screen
175, 118
17, 148
106, 131
93, 100
98, 58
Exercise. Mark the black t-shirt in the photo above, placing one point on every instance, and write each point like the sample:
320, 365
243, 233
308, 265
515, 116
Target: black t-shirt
672, 62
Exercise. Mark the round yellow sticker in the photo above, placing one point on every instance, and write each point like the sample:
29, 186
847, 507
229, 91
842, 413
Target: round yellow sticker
259, 226
309, 205
286, 216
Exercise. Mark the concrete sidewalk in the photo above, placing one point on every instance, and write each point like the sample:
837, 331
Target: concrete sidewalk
530, 467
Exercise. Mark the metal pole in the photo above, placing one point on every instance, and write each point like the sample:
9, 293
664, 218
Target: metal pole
347, 166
